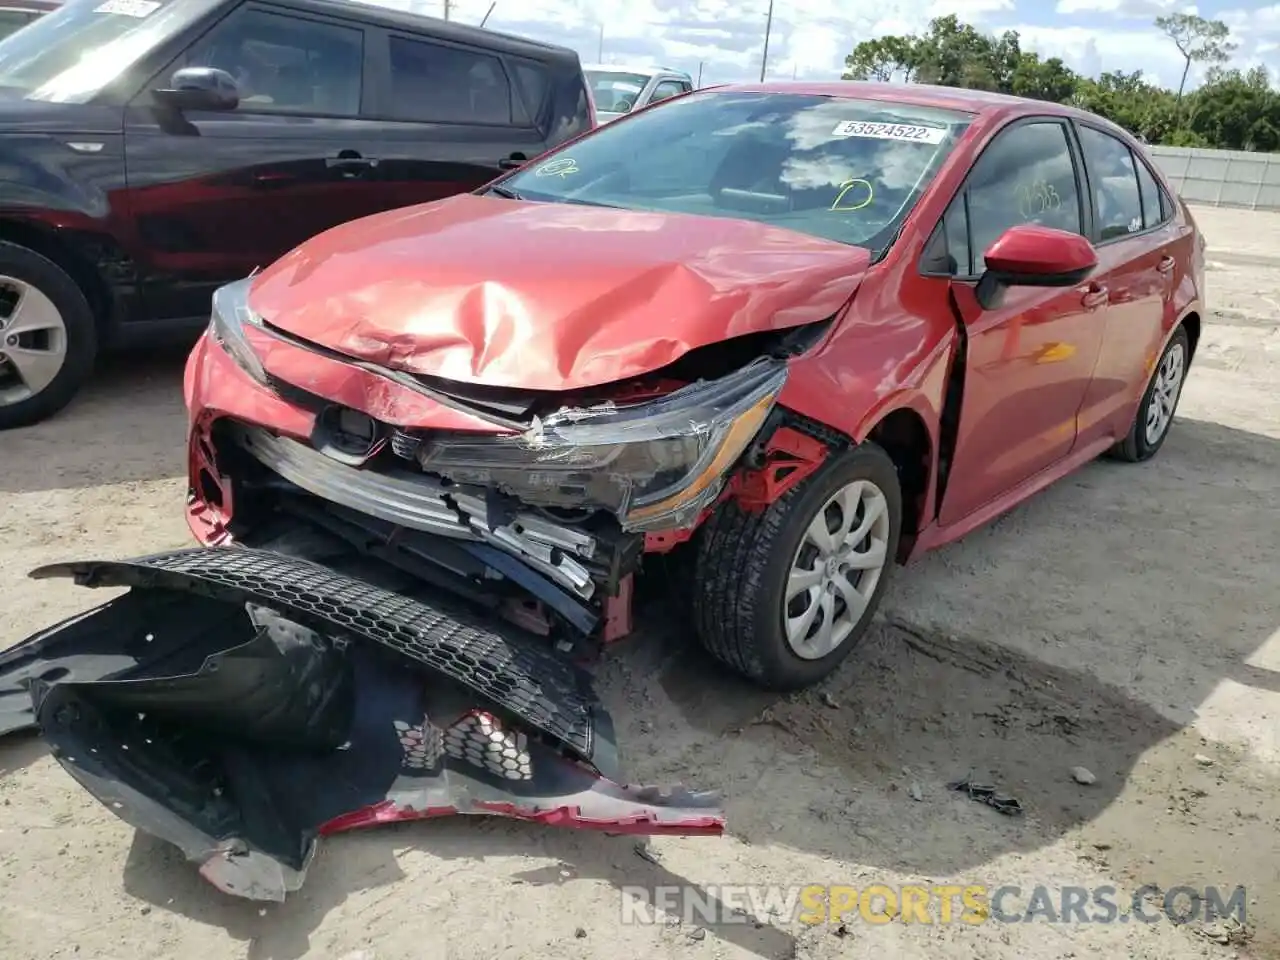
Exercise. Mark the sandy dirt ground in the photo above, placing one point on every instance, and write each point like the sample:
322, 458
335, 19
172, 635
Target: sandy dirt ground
1125, 621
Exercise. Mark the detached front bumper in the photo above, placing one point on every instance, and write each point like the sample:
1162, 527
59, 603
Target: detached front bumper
241, 704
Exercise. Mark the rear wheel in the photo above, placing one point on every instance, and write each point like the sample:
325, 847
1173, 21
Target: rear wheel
48, 339
1151, 425
784, 595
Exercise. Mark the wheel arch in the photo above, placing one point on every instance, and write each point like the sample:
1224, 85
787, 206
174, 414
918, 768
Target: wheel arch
54, 248
903, 433
1191, 323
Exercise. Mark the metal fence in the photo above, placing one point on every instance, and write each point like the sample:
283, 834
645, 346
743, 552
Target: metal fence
1222, 178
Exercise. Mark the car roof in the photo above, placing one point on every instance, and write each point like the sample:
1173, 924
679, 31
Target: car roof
624, 68
378, 11
42, 6
917, 94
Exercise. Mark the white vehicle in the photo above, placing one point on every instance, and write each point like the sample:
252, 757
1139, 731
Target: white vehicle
618, 89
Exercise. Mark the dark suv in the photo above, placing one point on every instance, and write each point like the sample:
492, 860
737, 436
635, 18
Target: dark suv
151, 150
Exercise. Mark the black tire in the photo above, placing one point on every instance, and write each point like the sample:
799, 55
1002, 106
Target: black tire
82, 334
1135, 447
744, 560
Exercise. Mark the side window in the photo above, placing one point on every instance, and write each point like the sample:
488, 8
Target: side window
283, 64
1026, 175
432, 83
666, 89
1116, 195
955, 228
534, 84
1153, 209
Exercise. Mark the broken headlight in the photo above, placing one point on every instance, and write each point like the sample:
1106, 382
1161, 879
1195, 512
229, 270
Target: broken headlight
231, 314
656, 464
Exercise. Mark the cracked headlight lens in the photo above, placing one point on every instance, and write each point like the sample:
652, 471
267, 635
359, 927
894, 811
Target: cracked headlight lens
656, 465
230, 316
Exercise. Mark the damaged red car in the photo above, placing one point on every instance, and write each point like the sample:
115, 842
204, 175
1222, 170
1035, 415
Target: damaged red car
777, 338
800, 332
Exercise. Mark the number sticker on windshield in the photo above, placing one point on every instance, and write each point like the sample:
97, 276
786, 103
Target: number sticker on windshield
128, 8
889, 131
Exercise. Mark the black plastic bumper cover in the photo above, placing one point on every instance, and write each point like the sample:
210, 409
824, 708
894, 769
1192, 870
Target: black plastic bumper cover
240, 704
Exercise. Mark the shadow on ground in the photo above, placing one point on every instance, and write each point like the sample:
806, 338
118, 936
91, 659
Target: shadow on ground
127, 424
1000, 657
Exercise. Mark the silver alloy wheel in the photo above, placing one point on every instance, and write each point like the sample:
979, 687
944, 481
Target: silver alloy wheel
835, 570
33, 341
1164, 397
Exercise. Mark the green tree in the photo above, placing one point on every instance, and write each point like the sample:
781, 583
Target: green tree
883, 59
1198, 40
1232, 109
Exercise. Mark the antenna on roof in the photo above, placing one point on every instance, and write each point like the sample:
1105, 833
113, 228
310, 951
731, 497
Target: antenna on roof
489, 11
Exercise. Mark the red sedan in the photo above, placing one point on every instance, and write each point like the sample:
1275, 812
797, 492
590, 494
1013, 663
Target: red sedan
789, 333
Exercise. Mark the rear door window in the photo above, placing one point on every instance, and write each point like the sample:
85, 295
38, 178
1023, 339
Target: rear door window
1154, 210
1117, 196
436, 83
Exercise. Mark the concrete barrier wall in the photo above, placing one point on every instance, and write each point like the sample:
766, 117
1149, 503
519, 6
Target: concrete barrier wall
1222, 178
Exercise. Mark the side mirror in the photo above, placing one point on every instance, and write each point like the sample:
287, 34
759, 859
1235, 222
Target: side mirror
1033, 256
200, 88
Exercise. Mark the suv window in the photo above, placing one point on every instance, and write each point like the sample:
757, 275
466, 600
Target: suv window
667, 89
13, 20
1155, 210
285, 64
1026, 175
1116, 195
432, 83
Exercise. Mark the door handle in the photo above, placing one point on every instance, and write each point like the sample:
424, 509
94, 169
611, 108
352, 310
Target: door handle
1166, 264
350, 162
1095, 297
513, 162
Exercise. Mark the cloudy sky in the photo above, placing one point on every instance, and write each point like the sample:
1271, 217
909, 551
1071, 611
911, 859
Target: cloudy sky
811, 37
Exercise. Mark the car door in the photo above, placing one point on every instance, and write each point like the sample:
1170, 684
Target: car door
454, 117
1135, 236
216, 194
1029, 360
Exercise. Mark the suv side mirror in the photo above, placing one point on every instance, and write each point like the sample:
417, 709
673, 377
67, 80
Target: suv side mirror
200, 88
1033, 256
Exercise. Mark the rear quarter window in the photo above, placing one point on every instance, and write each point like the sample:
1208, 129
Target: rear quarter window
534, 84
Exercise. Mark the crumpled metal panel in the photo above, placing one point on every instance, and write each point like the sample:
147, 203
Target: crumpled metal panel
542, 296
533, 683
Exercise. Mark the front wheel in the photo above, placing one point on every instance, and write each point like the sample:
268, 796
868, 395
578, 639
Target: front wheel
782, 596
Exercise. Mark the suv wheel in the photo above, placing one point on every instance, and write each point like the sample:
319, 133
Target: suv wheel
48, 338
784, 595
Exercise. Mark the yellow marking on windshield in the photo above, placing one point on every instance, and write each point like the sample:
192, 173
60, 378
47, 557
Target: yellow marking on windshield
839, 206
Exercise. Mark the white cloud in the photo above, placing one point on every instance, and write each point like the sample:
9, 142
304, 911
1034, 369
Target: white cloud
1130, 9
810, 38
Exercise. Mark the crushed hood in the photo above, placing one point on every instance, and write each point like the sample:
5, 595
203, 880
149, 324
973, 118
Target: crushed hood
547, 296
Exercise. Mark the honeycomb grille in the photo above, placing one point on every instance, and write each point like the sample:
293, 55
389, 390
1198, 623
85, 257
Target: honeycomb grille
534, 684
479, 739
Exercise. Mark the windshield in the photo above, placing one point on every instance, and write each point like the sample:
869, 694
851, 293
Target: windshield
615, 92
70, 54
843, 169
